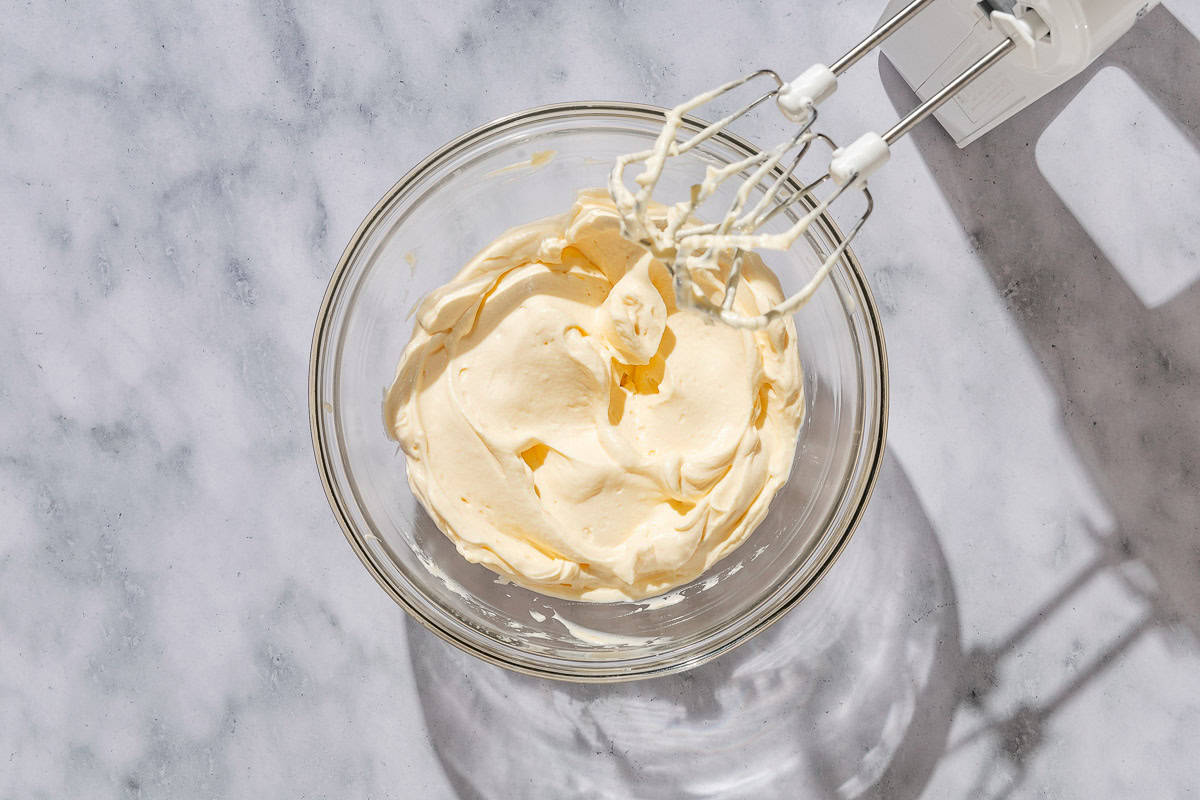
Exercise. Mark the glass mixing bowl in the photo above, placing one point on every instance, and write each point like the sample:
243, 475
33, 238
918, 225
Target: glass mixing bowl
417, 237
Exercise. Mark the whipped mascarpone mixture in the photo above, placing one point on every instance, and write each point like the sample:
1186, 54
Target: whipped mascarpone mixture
569, 427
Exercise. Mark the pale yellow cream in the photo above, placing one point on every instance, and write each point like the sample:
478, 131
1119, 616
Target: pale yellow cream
567, 426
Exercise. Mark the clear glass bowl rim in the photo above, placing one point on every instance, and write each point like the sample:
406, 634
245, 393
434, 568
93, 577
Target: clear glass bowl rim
319, 359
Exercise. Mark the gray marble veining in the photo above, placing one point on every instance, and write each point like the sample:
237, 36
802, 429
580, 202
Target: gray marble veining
181, 617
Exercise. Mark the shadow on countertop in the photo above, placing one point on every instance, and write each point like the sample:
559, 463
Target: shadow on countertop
1125, 375
849, 695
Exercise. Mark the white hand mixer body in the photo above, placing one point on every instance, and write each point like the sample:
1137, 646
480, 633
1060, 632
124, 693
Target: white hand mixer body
1041, 44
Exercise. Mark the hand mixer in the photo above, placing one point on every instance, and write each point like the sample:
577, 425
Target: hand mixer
1030, 47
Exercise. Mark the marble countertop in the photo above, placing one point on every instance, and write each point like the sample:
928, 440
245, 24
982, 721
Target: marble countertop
180, 616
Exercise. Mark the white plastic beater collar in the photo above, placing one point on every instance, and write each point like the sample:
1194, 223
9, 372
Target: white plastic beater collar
858, 160
1025, 30
797, 98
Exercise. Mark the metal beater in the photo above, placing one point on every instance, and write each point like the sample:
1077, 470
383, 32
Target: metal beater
1055, 39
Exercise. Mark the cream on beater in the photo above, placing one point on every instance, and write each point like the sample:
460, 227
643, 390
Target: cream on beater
568, 426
